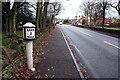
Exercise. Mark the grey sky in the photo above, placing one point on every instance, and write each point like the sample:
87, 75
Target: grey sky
72, 8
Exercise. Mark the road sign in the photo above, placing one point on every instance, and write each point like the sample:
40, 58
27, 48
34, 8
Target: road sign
50, 7
29, 31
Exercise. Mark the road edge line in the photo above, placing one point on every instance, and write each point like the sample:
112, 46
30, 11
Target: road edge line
74, 60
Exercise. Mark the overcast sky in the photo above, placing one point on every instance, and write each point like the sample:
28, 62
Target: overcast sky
72, 8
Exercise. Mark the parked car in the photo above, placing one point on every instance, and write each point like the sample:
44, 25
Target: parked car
60, 22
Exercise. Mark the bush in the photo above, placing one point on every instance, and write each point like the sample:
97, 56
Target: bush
83, 22
66, 21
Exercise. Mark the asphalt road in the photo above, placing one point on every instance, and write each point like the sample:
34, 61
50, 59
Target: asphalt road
98, 52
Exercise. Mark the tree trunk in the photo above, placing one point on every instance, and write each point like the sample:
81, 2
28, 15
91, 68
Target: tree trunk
37, 15
103, 17
90, 16
52, 19
45, 16
14, 19
119, 12
7, 24
10, 25
40, 17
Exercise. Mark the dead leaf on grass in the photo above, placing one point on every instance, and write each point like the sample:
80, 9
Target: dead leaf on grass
48, 69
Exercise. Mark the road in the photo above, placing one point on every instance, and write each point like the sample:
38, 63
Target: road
98, 52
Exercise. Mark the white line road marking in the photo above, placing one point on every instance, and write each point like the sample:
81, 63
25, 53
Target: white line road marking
111, 44
86, 34
78, 68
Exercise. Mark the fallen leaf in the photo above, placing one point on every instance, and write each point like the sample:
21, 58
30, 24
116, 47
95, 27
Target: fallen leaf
48, 69
46, 75
53, 76
52, 67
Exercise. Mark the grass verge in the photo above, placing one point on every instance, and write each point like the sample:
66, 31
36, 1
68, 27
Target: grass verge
109, 28
6, 39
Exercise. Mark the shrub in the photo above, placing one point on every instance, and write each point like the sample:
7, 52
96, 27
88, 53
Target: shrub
66, 21
83, 22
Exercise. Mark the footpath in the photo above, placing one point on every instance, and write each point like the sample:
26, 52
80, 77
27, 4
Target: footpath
56, 62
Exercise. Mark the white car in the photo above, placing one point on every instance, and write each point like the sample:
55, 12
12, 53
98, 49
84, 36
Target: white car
60, 23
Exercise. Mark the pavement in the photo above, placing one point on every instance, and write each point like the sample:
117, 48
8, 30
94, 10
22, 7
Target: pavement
56, 62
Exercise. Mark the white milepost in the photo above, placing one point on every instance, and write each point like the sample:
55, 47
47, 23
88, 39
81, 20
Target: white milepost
29, 36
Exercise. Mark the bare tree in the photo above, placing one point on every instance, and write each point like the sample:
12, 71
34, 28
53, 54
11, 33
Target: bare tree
96, 9
91, 11
45, 15
117, 7
85, 8
58, 7
88, 7
97, 12
39, 15
11, 15
104, 4
6, 14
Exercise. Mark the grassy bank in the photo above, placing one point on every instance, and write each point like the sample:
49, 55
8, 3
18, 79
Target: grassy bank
6, 38
109, 28
111, 31
14, 57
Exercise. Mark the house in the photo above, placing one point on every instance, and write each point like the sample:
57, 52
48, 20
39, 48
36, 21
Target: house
99, 21
107, 21
81, 19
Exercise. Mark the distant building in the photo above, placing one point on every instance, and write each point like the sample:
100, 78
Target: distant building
99, 21
107, 21
81, 19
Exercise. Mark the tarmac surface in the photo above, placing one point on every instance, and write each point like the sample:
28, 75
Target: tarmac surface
56, 62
